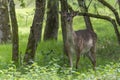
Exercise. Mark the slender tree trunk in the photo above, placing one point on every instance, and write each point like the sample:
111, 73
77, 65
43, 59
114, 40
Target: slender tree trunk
84, 8
5, 33
117, 2
36, 30
116, 30
64, 8
15, 38
51, 29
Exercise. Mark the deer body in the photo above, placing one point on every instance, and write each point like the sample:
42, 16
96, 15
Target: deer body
85, 43
79, 42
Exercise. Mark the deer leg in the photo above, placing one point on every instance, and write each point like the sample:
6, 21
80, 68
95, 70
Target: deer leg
77, 61
70, 60
68, 53
92, 56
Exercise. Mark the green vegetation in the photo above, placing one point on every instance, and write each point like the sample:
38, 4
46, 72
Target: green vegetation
50, 63
55, 72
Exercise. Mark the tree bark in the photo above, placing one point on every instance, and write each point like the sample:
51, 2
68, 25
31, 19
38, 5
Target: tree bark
64, 8
35, 33
52, 23
84, 8
5, 33
15, 38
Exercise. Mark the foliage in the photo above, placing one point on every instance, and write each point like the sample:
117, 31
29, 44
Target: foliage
34, 72
49, 52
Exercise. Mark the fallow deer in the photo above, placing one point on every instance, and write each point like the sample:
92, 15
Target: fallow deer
79, 42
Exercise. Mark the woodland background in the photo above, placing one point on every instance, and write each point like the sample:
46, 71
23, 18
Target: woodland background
35, 28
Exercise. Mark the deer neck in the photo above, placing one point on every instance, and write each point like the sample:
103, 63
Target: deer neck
69, 30
70, 34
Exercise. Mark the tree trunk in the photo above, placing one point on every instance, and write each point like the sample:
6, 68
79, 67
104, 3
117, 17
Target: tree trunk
5, 35
64, 8
52, 23
84, 8
15, 39
36, 30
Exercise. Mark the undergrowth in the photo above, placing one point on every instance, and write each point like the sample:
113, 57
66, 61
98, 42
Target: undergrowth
110, 71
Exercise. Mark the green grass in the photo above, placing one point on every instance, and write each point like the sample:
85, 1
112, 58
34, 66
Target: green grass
5, 55
52, 64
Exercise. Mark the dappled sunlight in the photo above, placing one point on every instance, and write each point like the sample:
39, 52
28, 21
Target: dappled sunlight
25, 17
24, 30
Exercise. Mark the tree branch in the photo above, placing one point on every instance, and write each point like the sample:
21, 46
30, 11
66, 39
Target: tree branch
112, 9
